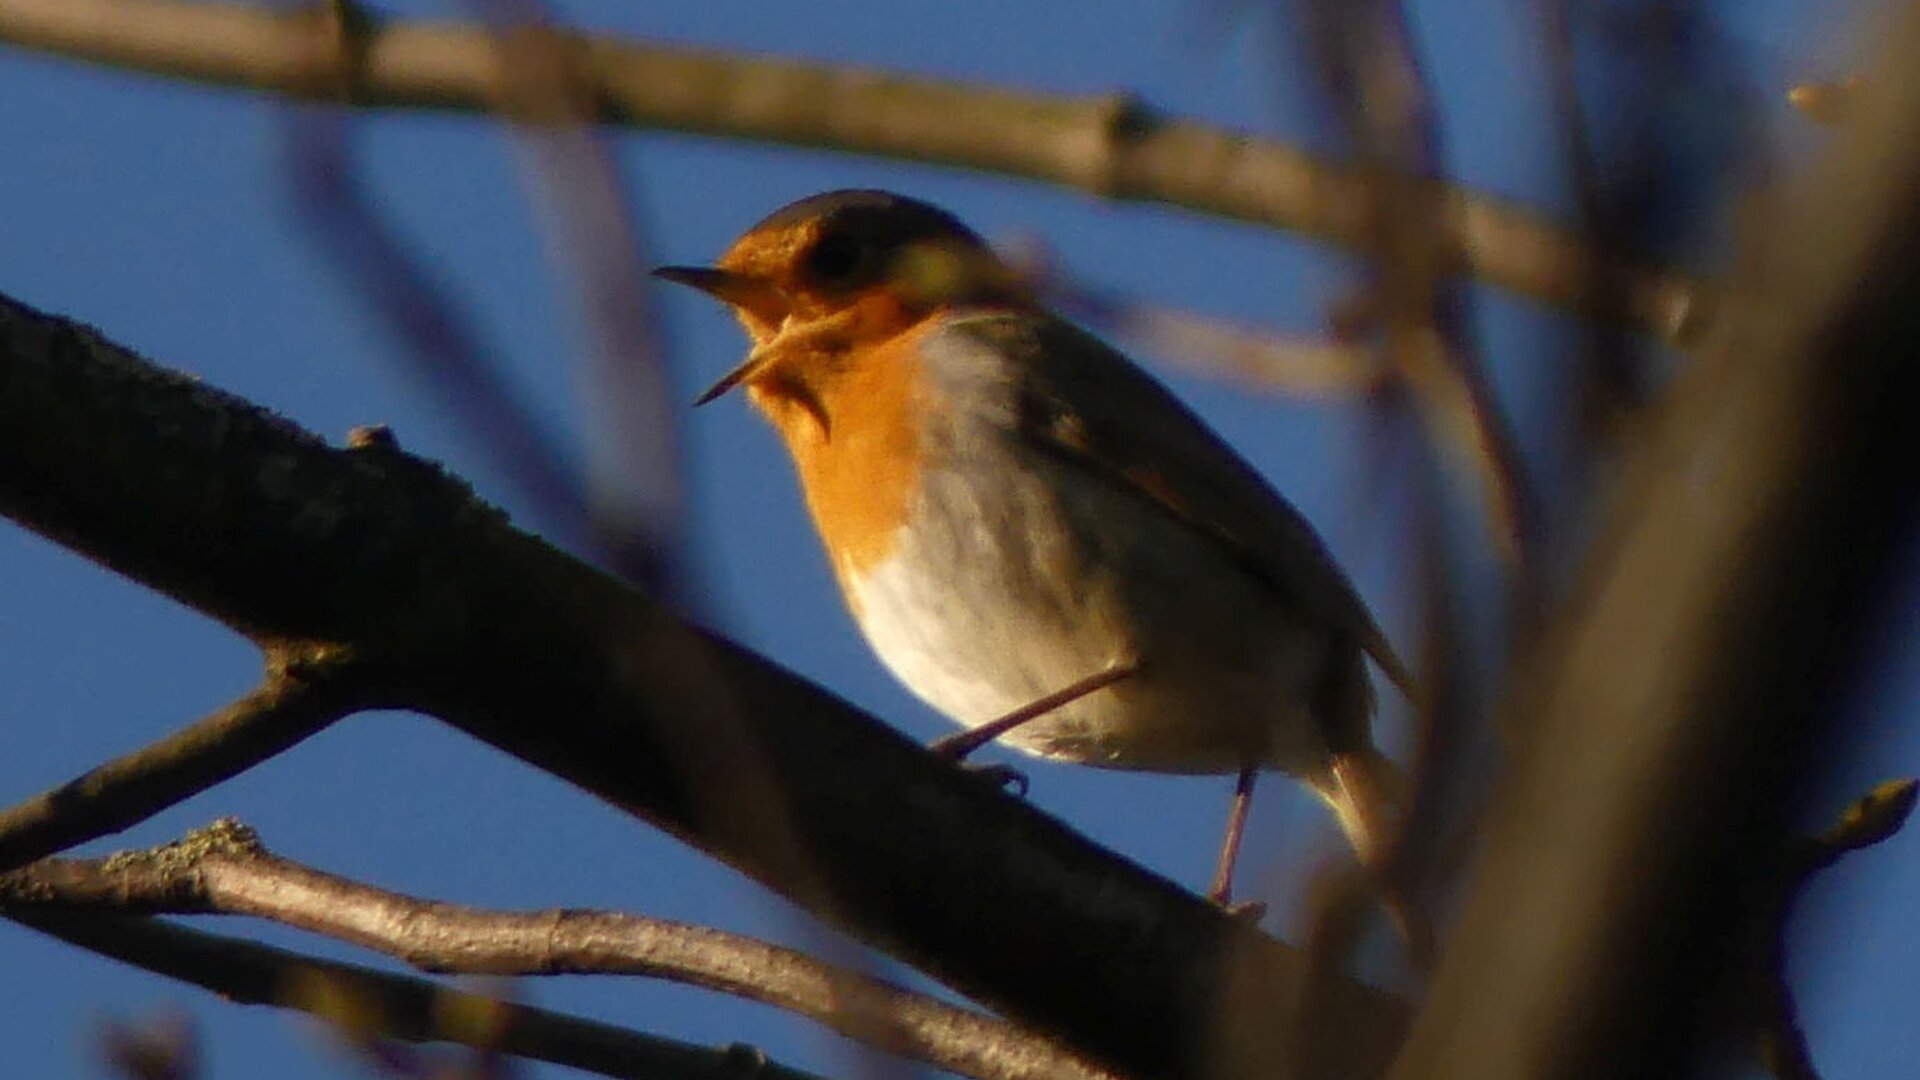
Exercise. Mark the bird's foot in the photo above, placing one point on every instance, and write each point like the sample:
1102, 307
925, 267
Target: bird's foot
1247, 912
1000, 776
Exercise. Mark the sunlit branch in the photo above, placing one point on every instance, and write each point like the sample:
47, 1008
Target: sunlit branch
365, 1004
302, 695
1111, 147
224, 870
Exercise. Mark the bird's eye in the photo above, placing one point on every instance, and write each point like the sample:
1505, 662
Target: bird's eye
836, 258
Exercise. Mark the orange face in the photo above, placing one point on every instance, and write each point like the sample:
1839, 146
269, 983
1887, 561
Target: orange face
835, 292
822, 283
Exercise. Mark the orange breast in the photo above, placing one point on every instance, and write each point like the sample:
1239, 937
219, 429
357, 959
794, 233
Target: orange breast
854, 436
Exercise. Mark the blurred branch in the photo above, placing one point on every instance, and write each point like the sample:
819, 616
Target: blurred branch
367, 1004
1704, 667
301, 696
1417, 317
225, 870
166, 1047
1413, 307
582, 197
211, 500
441, 343
1255, 357
1608, 198
1112, 147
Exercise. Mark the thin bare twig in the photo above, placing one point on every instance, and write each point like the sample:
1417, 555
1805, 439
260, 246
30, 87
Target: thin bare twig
224, 870
369, 1003
1113, 147
298, 699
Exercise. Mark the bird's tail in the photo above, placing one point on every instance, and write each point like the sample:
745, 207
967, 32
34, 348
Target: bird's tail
1368, 794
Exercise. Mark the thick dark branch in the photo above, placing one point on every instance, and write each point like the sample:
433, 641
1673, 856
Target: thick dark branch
302, 695
208, 499
1708, 663
1112, 147
223, 870
374, 1004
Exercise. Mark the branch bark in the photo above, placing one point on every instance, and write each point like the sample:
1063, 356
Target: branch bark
254, 522
368, 1004
225, 870
1112, 147
301, 696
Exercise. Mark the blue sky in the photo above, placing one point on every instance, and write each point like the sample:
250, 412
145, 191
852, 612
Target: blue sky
159, 213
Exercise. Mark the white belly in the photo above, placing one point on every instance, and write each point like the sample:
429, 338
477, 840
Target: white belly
998, 594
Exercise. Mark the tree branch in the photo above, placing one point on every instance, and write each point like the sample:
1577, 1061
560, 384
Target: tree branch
225, 870
365, 1003
260, 525
1112, 147
1257, 358
301, 696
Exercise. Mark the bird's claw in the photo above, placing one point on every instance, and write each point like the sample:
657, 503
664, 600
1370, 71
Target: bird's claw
1000, 776
1247, 912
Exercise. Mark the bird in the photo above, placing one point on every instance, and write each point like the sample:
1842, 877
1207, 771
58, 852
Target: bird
1034, 535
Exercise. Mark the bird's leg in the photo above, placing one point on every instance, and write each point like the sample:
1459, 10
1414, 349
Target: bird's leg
960, 744
1236, 828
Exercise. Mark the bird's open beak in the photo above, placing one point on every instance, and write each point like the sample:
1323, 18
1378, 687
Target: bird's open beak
740, 290
757, 298
744, 373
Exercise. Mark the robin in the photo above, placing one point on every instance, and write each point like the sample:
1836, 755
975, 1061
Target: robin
1034, 535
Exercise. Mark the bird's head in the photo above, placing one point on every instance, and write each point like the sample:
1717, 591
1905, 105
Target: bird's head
818, 279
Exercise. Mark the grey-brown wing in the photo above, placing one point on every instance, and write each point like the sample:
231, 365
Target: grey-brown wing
1082, 402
